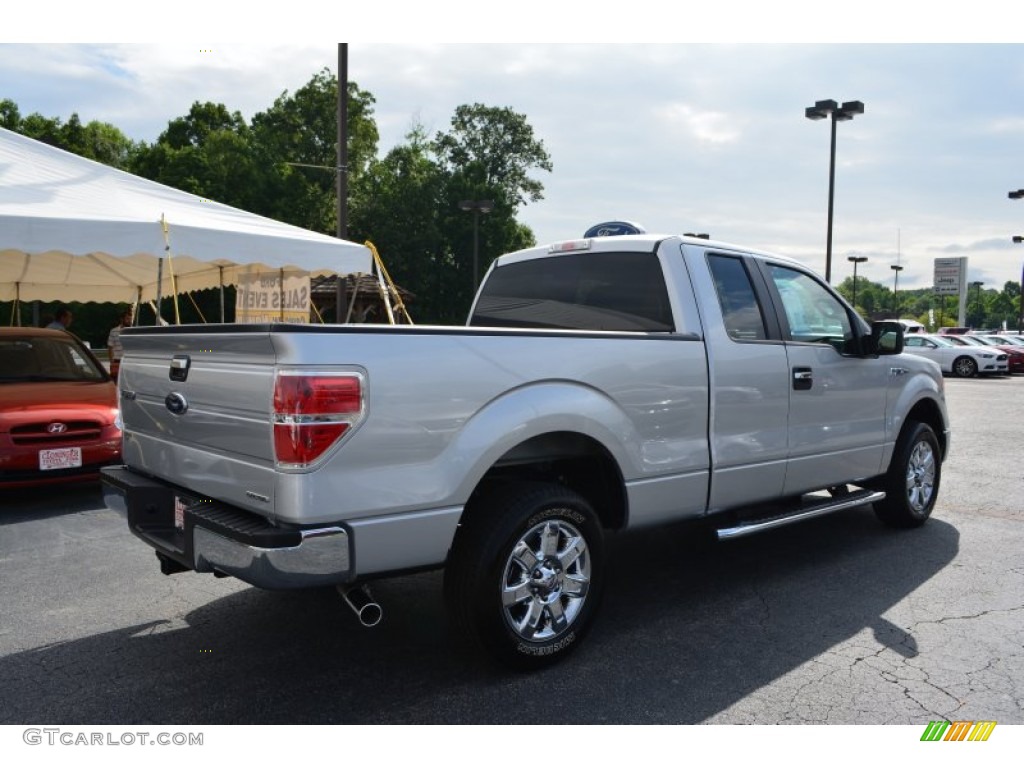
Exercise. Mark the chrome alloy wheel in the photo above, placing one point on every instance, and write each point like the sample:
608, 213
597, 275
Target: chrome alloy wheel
965, 367
921, 476
545, 581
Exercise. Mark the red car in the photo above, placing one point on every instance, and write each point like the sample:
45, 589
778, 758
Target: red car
59, 420
1014, 352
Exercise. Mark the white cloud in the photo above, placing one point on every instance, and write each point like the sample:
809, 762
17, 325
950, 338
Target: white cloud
705, 126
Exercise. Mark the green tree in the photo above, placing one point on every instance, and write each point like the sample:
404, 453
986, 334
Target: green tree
98, 141
494, 149
104, 143
10, 115
202, 121
295, 143
488, 154
206, 152
874, 301
396, 206
999, 309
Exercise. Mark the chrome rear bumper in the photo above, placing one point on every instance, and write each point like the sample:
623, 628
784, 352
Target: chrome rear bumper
211, 537
320, 558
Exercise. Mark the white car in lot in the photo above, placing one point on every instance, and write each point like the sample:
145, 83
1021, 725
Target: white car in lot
963, 361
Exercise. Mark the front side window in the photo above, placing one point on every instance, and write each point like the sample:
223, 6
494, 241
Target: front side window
813, 314
578, 291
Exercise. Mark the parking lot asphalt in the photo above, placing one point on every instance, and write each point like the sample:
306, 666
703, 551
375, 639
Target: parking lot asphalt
835, 621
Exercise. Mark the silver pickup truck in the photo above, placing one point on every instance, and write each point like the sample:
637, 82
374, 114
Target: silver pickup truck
601, 384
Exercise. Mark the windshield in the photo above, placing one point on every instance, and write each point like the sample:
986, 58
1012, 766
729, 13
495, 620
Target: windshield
1008, 340
955, 341
36, 358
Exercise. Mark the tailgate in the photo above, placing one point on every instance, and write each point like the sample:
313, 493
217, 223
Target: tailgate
196, 404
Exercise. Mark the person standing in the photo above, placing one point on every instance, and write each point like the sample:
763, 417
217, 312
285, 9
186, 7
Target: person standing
61, 319
114, 349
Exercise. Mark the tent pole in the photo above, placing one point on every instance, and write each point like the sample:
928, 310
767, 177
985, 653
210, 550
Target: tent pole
160, 271
159, 282
221, 281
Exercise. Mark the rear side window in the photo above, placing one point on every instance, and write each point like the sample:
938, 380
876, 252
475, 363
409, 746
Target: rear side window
741, 312
578, 291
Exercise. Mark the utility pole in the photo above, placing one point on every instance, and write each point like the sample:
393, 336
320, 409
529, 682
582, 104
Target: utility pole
343, 140
340, 294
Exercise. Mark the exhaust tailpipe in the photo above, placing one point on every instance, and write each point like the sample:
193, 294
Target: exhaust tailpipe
361, 601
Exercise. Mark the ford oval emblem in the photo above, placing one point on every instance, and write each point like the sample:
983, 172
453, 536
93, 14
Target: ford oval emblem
176, 403
610, 228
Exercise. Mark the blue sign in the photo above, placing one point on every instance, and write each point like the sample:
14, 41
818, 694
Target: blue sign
609, 228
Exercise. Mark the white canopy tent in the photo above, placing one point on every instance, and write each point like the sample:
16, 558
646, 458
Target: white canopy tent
72, 229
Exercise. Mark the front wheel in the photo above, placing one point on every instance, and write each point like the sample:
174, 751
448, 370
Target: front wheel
912, 483
526, 573
965, 367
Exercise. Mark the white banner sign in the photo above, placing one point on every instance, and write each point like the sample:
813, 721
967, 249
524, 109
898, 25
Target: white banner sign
950, 275
271, 297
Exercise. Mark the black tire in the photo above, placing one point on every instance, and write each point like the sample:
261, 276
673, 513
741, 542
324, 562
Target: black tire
526, 573
912, 483
965, 367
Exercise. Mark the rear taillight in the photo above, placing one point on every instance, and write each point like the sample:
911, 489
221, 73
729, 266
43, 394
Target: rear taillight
312, 412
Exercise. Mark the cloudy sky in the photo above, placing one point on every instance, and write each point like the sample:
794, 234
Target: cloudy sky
678, 136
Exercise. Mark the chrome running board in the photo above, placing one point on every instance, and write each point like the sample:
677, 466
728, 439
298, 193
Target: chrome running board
847, 501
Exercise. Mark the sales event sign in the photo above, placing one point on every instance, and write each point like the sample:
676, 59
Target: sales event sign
273, 297
950, 275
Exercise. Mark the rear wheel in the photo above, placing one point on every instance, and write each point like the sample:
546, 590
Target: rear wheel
526, 573
912, 482
965, 367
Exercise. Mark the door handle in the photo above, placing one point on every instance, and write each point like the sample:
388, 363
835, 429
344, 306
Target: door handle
803, 378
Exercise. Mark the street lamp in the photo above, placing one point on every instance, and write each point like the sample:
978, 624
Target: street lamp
1017, 195
856, 260
896, 268
977, 296
477, 207
819, 111
1020, 295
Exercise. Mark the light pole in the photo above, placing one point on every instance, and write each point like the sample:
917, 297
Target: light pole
477, 207
977, 297
896, 268
819, 111
856, 260
1017, 194
1020, 296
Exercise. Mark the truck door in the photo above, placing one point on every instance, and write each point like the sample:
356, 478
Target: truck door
749, 375
837, 399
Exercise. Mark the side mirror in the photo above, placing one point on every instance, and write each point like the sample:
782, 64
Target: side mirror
886, 338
